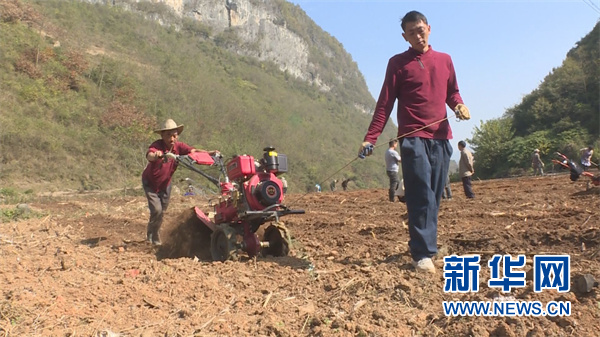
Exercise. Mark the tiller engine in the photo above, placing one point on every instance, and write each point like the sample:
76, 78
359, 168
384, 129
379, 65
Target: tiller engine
251, 195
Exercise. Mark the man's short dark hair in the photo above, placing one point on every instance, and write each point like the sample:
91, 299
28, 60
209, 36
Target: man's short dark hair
462, 143
412, 16
393, 142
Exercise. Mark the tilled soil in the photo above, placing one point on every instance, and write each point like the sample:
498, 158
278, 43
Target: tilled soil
80, 267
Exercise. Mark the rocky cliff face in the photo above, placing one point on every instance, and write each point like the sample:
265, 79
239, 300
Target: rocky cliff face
263, 33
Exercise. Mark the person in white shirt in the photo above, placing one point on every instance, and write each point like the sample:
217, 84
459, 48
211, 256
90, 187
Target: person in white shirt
392, 159
586, 157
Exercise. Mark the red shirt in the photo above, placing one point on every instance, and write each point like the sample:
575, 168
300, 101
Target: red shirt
157, 173
423, 83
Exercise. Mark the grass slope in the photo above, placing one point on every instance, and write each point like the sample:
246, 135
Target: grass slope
84, 85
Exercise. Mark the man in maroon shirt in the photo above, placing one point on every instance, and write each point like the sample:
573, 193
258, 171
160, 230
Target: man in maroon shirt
423, 81
156, 178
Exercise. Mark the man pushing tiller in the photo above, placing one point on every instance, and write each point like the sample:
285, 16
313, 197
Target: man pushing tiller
156, 178
575, 170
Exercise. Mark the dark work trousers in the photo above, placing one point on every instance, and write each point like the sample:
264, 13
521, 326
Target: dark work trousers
158, 204
467, 187
425, 170
394, 182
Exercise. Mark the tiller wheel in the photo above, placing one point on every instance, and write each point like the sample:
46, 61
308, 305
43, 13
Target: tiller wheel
223, 243
276, 240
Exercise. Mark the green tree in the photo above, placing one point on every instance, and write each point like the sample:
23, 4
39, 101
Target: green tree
491, 144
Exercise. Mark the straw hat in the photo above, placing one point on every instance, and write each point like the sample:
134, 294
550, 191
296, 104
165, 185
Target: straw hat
168, 125
536, 150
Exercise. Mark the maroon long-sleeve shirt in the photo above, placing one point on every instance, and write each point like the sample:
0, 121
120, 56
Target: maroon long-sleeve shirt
158, 173
423, 83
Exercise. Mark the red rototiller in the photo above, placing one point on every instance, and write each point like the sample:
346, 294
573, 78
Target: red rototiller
250, 196
576, 171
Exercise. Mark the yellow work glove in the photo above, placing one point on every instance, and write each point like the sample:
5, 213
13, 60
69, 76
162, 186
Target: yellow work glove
462, 112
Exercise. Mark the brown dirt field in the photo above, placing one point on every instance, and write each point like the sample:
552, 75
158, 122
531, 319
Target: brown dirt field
81, 268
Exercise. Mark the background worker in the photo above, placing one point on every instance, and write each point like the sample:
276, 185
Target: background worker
586, 157
465, 168
156, 178
284, 184
392, 159
345, 184
423, 82
190, 191
447, 192
346, 181
537, 163
332, 185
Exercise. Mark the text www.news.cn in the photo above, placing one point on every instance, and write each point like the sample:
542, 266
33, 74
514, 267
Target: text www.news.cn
506, 308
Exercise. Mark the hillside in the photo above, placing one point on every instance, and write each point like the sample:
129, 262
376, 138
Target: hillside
84, 84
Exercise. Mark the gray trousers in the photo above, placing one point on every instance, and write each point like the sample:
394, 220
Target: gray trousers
394, 182
447, 192
158, 204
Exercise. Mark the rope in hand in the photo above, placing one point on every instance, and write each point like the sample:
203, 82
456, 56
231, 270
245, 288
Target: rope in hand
374, 147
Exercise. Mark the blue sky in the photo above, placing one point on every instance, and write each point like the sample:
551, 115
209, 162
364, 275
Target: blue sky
502, 50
